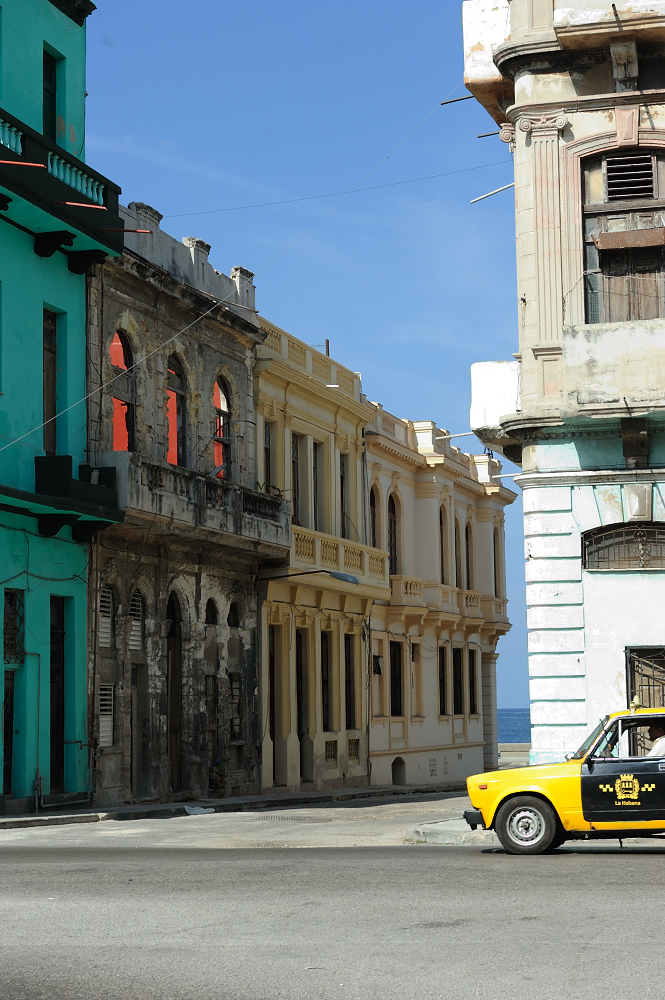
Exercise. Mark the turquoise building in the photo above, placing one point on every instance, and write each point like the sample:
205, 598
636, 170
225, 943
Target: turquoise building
57, 217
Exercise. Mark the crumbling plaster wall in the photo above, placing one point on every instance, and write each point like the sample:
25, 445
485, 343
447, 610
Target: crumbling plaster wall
139, 767
151, 308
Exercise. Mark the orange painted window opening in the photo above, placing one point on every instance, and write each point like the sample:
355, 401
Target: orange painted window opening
123, 393
221, 443
175, 413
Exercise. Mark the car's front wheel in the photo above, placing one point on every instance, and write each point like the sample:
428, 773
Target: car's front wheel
526, 825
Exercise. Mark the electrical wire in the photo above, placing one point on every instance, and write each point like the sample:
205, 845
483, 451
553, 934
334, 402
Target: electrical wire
245, 282
334, 194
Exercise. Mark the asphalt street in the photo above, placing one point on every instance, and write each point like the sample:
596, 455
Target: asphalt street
125, 918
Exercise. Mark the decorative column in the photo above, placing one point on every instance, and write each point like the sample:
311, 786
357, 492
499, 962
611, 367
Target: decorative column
544, 131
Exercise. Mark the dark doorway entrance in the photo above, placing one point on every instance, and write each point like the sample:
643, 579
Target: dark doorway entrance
140, 735
174, 691
272, 708
8, 733
57, 673
302, 706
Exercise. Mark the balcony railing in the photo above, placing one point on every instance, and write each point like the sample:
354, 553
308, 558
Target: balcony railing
192, 501
406, 591
65, 178
312, 549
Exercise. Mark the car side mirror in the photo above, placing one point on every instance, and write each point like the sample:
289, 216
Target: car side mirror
569, 756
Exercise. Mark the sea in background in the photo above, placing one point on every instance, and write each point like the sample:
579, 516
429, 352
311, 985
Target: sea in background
514, 725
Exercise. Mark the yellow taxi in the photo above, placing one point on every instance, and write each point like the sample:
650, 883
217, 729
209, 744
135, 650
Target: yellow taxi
613, 786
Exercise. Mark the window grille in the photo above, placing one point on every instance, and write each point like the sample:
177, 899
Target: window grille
14, 626
646, 675
106, 712
630, 176
331, 752
136, 616
235, 723
625, 546
354, 751
105, 630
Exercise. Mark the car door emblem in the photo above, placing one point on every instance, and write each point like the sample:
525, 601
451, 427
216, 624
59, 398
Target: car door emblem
627, 788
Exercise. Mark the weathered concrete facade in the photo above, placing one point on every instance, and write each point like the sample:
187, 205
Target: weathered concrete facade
434, 641
173, 600
579, 91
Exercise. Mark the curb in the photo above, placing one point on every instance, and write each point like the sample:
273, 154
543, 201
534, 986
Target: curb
169, 810
452, 833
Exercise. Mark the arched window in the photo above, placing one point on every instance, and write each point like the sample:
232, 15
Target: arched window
442, 544
459, 575
123, 393
176, 450
625, 546
233, 620
136, 615
221, 429
211, 612
105, 626
372, 517
468, 553
497, 568
392, 535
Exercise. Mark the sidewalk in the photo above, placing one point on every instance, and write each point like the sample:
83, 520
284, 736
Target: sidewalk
168, 810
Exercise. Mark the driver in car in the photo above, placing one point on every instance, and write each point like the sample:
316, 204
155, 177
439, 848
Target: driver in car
657, 737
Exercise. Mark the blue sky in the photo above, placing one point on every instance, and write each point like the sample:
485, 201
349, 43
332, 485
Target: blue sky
212, 105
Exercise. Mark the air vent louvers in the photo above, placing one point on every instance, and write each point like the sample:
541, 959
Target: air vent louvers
630, 176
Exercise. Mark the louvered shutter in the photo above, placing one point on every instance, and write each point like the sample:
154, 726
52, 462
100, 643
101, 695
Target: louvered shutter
105, 617
106, 707
136, 629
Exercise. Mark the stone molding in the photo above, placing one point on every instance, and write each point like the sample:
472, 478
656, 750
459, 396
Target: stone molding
554, 121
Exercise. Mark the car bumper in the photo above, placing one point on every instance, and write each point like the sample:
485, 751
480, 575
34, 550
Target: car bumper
474, 818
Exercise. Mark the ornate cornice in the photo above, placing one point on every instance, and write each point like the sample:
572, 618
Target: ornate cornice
78, 10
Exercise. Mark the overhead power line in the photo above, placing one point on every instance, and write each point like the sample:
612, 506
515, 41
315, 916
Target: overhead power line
335, 194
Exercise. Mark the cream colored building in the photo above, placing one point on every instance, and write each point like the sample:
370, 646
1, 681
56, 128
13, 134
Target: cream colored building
314, 652
439, 514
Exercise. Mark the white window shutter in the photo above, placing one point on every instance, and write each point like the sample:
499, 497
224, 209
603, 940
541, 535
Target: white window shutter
105, 630
106, 712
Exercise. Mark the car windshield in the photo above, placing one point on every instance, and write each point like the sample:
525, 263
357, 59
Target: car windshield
590, 740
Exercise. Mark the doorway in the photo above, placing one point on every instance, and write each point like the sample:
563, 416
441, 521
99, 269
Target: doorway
140, 731
174, 691
399, 771
8, 733
57, 678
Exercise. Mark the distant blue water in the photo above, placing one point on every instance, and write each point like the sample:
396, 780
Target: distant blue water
514, 725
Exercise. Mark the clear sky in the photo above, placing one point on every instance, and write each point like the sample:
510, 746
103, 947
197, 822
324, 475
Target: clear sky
207, 105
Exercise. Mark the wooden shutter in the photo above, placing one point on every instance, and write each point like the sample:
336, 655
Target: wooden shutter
105, 630
106, 712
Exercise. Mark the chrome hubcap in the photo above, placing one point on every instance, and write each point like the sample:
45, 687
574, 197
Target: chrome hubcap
526, 826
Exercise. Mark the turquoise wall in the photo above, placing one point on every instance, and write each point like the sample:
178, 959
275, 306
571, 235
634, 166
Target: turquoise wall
57, 567
29, 284
27, 27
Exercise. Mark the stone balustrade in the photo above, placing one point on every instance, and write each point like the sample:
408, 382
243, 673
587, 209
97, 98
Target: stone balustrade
312, 549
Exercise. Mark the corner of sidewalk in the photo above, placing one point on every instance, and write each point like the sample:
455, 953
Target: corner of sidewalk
270, 800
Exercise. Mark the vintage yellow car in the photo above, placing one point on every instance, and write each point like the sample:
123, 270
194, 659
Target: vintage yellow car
613, 786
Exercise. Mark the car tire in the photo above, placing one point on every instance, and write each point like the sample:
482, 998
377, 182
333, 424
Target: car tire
526, 825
